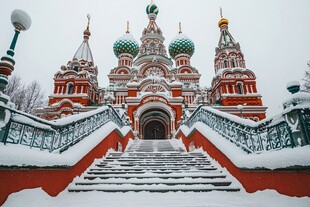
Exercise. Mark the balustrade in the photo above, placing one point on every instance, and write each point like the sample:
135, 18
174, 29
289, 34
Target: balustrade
31, 131
256, 137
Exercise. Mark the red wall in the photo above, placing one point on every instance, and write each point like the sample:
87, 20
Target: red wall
290, 183
53, 181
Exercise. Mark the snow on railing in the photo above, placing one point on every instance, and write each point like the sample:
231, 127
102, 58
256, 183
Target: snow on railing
57, 135
270, 134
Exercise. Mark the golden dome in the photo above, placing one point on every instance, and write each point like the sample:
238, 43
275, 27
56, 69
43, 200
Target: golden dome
223, 22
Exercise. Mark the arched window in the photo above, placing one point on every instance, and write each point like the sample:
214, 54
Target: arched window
152, 48
225, 64
70, 88
160, 49
76, 68
240, 88
233, 63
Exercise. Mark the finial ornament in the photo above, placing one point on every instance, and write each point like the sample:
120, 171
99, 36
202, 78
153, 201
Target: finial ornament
127, 29
180, 28
223, 21
221, 12
88, 17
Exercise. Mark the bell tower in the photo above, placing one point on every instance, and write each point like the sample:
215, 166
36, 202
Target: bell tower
234, 84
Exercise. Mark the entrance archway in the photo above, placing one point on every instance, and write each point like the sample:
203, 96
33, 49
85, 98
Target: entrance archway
154, 130
154, 111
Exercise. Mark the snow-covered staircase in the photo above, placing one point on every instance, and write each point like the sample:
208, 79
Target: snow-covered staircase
154, 166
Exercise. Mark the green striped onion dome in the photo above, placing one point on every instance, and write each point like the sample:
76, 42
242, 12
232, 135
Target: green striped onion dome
152, 9
126, 44
181, 44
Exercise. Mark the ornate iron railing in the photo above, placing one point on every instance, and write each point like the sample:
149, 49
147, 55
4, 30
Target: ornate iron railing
251, 137
56, 135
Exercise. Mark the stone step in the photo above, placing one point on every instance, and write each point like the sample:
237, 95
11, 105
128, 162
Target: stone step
163, 176
155, 157
150, 164
214, 182
151, 188
149, 169
146, 171
152, 161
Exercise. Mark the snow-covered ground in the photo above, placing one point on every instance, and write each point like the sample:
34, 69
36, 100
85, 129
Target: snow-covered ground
267, 198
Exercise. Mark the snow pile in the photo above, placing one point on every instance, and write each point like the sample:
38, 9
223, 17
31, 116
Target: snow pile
298, 100
289, 157
20, 155
266, 198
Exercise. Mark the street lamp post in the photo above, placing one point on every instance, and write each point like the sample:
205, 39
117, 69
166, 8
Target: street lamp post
21, 22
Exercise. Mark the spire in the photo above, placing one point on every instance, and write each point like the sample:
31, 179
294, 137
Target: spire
87, 32
84, 52
228, 53
180, 28
127, 29
226, 39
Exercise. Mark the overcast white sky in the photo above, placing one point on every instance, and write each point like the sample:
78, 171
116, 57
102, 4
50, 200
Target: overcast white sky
274, 36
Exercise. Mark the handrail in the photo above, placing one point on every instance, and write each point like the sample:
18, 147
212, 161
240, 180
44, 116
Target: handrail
252, 137
57, 135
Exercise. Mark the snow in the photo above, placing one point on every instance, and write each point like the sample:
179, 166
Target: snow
266, 198
26, 120
292, 83
297, 100
176, 83
35, 157
289, 157
128, 36
180, 36
76, 117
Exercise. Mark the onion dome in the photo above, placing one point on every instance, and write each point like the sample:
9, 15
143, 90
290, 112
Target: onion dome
181, 44
126, 44
152, 9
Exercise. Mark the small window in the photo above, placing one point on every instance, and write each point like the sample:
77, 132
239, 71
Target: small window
225, 64
76, 68
152, 48
160, 49
239, 88
233, 64
70, 88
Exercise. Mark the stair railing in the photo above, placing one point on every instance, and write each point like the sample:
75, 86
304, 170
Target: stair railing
252, 137
57, 135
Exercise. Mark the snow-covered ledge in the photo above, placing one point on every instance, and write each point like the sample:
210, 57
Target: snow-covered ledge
20, 155
285, 158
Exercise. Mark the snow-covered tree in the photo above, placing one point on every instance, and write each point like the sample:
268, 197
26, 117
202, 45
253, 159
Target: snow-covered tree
306, 79
25, 97
33, 97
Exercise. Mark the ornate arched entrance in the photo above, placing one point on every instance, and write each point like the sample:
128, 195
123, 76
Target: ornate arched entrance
155, 124
154, 130
154, 118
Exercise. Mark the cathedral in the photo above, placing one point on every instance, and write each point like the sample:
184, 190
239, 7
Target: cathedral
155, 85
